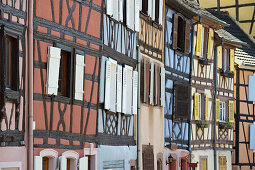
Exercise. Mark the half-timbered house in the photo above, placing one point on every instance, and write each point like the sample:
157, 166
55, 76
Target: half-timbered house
13, 141
66, 65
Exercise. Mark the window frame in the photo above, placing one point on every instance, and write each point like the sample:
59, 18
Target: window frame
219, 160
203, 157
222, 111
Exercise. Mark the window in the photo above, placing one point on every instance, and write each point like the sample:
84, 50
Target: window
145, 6
199, 107
225, 59
222, 111
222, 163
203, 163
45, 165
181, 33
181, 104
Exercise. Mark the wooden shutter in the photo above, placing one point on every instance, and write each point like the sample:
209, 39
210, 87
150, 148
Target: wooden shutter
37, 163
79, 77
63, 163
53, 70
147, 81
137, 15
83, 163
231, 111
130, 14
158, 86
120, 11
187, 37
107, 100
194, 40
162, 94
205, 42
182, 102
109, 6
142, 81
160, 12
203, 164
206, 107
124, 89
148, 157
231, 60
115, 10
119, 87
196, 106
199, 40
155, 85
151, 82
129, 77
135, 86
113, 89
210, 44
175, 32
219, 57
217, 110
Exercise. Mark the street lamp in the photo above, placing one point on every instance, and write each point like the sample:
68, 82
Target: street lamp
169, 159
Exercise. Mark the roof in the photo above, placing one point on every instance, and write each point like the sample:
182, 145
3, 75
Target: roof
226, 36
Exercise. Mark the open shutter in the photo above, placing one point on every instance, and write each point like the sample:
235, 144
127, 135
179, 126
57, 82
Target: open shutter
160, 12
187, 37
147, 81
37, 163
120, 11
124, 88
219, 57
115, 10
210, 44
151, 82
199, 40
175, 32
107, 100
231, 60
155, 85
162, 98
113, 85
206, 107
119, 87
53, 70
109, 6
158, 86
196, 106
130, 17
63, 163
217, 110
137, 15
194, 40
231, 111
135, 84
83, 163
142, 81
79, 77
127, 89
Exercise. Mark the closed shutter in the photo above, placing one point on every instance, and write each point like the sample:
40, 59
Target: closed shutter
120, 11
210, 44
79, 77
115, 10
135, 84
83, 163
151, 82
231, 111
205, 42
175, 32
160, 12
37, 163
130, 17
148, 157
199, 40
53, 70
187, 37
219, 57
231, 60
119, 87
162, 94
206, 107
63, 163
217, 110
124, 89
182, 102
196, 106
107, 100
113, 86
109, 6
137, 15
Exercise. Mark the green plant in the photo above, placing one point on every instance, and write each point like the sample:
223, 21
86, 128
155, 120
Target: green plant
227, 125
203, 123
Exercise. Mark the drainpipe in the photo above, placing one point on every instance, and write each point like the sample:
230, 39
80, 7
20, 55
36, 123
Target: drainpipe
30, 84
138, 106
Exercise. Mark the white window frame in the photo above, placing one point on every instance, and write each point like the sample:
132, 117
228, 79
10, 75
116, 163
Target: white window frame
222, 111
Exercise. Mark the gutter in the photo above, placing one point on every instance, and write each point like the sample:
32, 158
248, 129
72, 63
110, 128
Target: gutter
30, 84
138, 106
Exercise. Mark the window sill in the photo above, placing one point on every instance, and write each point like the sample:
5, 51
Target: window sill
204, 61
11, 94
226, 74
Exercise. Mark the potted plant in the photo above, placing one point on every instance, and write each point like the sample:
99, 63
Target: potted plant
225, 125
202, 124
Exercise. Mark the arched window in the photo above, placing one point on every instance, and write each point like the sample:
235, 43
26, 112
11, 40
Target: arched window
49, 159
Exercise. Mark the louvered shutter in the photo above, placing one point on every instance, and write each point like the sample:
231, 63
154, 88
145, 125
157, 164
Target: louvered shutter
135, 84
151, 82
158, 86
63, 163
231, 60
231, 111
219, 57
210, 44
161, 12
199, 40
162, 94
79, 77
109, 6
155, 85
124, 89
83, 163
127, 89
119, 88
182, 105
120, 11
137, 15
206, 107
130, 14
142, 81
196, 106
107, 100
115, 10
53, 70
37, 163
113, 86
175, 32
102, 79
147, 97
194, 40
187, 37
217, 110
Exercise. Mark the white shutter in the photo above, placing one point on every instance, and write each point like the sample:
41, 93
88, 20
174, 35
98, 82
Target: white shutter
124, 96
120, 11
130, 6
161, 12
79, 77
53, 70
115, 9
102, 79
151, 82
129, 88
62, 163
137, 14
37, 163
107, 95
150, 8
83, 163
113, 85
109, 5
153, 10
135, 84
162, 86
119, 87
141, 4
